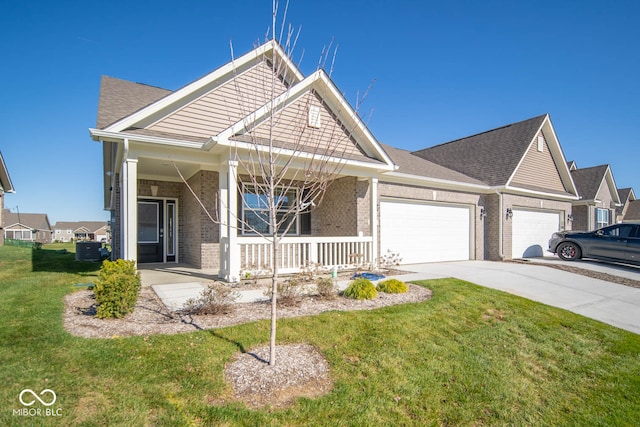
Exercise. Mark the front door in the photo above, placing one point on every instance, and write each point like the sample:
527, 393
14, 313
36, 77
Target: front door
150, 231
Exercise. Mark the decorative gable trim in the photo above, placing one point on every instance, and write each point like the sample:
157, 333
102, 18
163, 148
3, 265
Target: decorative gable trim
608, 180
5, 180
322, 85
555, 150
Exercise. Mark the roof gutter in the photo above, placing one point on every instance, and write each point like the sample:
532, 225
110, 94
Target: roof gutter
400, 177
527, 192
303, 155
103, 135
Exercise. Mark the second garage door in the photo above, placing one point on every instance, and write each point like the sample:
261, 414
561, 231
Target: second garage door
421, 232
531, 232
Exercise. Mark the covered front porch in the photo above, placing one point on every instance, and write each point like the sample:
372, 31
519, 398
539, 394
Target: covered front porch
178, 213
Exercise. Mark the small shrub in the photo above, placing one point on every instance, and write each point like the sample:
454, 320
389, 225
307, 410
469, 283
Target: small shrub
289, 293
326, 289
117, 288
361, 288
392, 286
215, 299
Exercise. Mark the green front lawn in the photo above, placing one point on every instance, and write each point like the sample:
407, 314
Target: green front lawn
468, 356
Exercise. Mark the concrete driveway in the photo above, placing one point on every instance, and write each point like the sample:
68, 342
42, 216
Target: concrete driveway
614, 304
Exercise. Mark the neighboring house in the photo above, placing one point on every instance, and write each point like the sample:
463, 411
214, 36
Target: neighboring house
626, 196
5, 187
66, 231
598, 197
34, 227
633, 212
500, 194
528, 187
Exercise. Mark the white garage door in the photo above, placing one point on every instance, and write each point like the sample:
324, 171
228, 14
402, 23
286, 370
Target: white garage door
531, 232
421, 232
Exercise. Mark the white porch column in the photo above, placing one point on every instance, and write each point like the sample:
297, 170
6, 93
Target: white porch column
229, 248
373, 211
129, 219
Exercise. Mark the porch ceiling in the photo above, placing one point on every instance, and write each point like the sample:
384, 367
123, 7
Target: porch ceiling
164, 169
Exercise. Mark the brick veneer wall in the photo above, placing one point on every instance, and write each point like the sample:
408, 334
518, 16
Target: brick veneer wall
337, 215
201, 236
492, 227
580, 217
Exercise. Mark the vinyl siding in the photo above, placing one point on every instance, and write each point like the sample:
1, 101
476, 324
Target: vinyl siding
605, 196
290, 129
224, 105
538, 169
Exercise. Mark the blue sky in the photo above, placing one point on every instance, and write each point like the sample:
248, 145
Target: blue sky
442, 69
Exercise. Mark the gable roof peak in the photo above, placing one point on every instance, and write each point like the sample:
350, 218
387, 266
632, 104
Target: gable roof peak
491, 156
170, 99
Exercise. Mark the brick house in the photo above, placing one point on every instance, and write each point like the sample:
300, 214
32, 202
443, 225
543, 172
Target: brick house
480, 197
5, 187
626, 196
528, 187
599, 197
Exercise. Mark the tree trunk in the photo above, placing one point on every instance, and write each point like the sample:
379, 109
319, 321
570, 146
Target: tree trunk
274, 301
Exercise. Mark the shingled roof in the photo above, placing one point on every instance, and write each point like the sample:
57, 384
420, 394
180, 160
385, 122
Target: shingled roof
633, 212
589, 180
37, 221
626, 195
120, 98
490, 156
90, 226
409, 163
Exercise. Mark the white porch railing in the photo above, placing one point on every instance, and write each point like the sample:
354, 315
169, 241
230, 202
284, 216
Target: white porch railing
299, 252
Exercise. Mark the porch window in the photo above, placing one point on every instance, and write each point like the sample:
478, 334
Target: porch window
255, 211
602, 217
18, 234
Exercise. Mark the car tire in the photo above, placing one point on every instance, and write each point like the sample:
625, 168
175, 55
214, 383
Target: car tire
569, 251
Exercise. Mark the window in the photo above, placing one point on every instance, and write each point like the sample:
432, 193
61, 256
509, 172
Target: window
540, 143
18, 234
148, 223
623, 230
255, 211
602, 217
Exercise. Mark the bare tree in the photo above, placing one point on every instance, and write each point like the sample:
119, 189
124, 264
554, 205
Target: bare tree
289, 146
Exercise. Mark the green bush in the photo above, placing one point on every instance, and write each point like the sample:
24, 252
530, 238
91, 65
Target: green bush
361, 288
117, 288
392, 286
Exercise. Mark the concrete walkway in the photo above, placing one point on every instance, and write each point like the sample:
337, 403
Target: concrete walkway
614, 304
